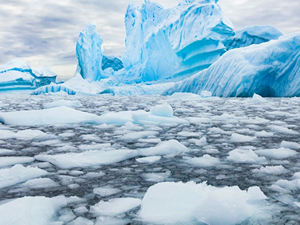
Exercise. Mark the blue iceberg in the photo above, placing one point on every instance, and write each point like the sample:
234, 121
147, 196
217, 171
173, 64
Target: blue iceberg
18, 75
270, 69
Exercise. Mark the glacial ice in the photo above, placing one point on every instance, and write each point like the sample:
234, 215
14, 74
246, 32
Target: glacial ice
269, 69
11, 161
191, 203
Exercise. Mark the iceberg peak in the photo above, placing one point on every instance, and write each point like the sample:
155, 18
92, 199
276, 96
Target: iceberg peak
89, 54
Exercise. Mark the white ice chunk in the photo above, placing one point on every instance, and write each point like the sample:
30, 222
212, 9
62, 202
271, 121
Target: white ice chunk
138, 135
9, 161
156, 177
172, 147
200, 143
281, 153
288, 144
283, 130
106, 191
150, 159
88, 158
58, 115
238, 138
275, 170
68, 103
264, 134
115, 206
204, 161
40, 183
31, 210
190, 203
184, 96
19, 174
245, 156
164, 110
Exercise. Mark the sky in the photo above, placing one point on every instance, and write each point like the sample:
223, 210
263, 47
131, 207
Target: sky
44, 32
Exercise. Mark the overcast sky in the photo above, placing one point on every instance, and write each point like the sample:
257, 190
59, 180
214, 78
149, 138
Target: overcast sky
44, 32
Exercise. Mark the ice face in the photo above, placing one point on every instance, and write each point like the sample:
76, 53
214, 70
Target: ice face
89, 54
269, 69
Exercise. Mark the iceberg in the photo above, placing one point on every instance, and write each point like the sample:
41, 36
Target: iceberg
270, 69
163, 44
89, 54
252, 35
19, 75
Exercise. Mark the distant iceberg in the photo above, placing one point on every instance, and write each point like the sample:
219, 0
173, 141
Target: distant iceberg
18, 75
270, 69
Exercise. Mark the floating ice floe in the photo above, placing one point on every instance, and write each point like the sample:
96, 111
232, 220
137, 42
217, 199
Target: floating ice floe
245, 156
115, 206
18, 174
274, 170
88, 158
10, 161
172, 147
281, 153
150, 159
191, 203
204, 161
66, 115
31, 210
241, 138
106, 191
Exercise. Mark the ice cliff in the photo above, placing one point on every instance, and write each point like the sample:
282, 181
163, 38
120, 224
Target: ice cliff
270, 69
19, 75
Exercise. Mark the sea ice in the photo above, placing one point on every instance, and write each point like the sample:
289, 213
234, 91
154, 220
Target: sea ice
18, 174
31, 210
172, 147
204, 161
88, 158
9, 161
281, 153
115, 206
245, 156
106, 191
191, 203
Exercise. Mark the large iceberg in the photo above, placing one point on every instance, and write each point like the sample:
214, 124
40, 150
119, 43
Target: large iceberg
270, 69
19, 75
161, 44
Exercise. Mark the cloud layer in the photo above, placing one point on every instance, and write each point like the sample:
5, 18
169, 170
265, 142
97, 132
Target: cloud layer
45, 32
